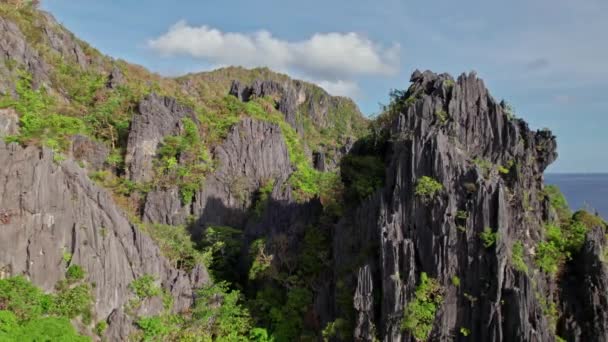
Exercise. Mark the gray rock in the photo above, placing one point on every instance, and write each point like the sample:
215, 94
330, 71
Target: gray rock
585, 300
93, 153
406, 235
16, 51
115, 79
157, 117
49, 209
9, 122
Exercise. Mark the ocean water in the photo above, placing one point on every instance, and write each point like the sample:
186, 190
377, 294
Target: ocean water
583, 191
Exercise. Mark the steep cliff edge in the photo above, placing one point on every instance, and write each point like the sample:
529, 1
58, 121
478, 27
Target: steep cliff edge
454, 240
429, 223
55, 217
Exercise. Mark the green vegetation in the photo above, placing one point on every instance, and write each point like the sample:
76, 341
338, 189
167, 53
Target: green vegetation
28, 314
362, 175
558, 202
221, 247
100, 328
484, 165
184, 161
145, 287
517, 257
74, 273
39, 125
442, 116
420, 312
465, 332
427, 188
488, 237
261, 261
263, 197
455, 281
561, 242
176, 244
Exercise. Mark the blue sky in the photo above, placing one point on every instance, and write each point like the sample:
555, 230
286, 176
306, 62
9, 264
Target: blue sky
549, 59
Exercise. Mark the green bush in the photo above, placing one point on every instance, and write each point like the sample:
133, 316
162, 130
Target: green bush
176, 244
228, 320
261, 261
221, 249
194, 161
558, 202
145, 287
153, 328
100, 328
442, 116
38, 123
74, 273
40, 329
420, 312
455, 281
427, 188
362, 175
73, 301
517, 257
488, 237
28, 314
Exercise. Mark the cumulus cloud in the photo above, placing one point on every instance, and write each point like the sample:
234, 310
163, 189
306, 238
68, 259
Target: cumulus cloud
333, 59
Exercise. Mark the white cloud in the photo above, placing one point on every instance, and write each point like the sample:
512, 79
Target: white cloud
333, 59
340, 88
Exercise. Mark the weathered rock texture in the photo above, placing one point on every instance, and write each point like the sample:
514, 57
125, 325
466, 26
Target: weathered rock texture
49, 210
446, 132
585, 299
253, 153
157, 117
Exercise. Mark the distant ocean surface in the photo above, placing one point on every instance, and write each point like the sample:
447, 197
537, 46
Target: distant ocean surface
583, 191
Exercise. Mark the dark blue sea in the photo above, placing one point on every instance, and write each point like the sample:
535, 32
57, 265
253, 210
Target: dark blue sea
583, 191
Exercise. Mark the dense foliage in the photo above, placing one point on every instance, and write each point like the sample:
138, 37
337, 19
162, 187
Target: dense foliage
28, 314
420, 312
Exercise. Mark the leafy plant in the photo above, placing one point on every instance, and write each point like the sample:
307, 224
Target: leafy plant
261, 261
517, 257
427, 188
145, 287
442, 116
455, 281
420, 312
100, 328
38, 122
488, 237
362, 175
74, 273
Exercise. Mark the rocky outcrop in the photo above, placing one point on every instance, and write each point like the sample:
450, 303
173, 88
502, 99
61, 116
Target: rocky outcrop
9, 122
16, 50
92, 153
50, 211
253, 153
286, 96
457, 134
156, 118
585, 300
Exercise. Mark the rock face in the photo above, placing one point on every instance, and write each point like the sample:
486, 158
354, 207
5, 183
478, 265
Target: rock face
585, 300
456, 133
253, 153
157, 117
286, 95
15, 47
51, 210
